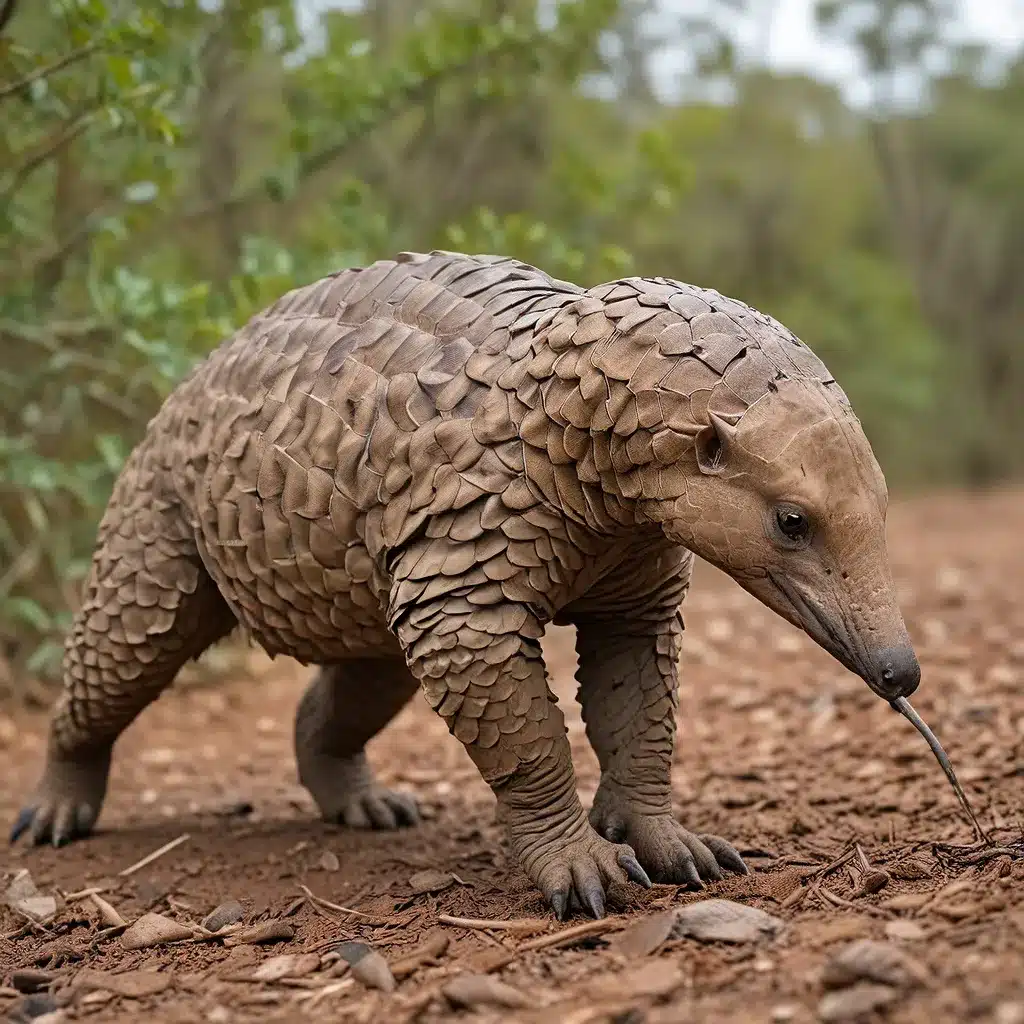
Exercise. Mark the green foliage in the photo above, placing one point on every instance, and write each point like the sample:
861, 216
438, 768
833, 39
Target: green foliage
164, 177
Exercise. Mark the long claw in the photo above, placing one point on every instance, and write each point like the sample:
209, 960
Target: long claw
691, 874
21, 823
592, 897
634, 872
560, 903
725, 854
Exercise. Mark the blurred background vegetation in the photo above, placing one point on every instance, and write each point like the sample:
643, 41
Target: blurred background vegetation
169, 168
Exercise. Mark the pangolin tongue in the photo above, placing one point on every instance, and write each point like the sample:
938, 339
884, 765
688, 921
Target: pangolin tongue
903, 706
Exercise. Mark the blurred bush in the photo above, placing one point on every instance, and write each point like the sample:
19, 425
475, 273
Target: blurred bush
167, 170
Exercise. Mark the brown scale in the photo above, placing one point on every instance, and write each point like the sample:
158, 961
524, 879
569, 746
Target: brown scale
401, 473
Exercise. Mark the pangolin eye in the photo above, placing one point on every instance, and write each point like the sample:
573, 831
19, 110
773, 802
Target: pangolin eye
792, 523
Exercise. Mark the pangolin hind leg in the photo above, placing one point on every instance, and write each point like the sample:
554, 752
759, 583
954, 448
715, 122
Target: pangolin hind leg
628, 646
149, 606
344, 706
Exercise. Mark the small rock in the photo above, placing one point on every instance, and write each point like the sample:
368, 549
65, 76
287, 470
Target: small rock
1009, 1013
220, 917
23, 896
783, 1013
267, 931
154, 930
32, 980
368, 966
724, 921
473, 990
868, 960
908, 931
874, 881
33, 1008
434, 947
655, 979
329, 861
108, 913
129, 984
287, 965
645, 936
853, 1003
430, 881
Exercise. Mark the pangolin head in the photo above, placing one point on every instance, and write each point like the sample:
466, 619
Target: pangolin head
786, 496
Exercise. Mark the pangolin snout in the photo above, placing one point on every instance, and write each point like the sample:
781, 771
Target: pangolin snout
894, 672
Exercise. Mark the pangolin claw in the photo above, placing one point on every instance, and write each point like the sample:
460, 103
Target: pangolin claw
725, 854
634, 871
592, 897
21, 823
560, 903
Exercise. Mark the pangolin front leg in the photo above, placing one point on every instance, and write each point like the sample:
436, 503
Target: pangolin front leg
628, 675
482, 670
344, 706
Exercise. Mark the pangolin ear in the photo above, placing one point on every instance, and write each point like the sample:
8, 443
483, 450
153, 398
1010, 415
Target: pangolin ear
713, 445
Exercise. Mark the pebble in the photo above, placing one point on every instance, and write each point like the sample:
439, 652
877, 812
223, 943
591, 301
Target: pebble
23, 896
34, 1008
855, 1002
870, 960
220, 917
430, 880
368, 966
724, 921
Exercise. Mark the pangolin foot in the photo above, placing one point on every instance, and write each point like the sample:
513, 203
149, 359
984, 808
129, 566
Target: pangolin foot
347, 794
669, 853
66, 803
578, 874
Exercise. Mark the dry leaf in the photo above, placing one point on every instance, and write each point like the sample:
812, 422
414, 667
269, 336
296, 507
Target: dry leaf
154, 930
368, 966
430, 880
266, 931
646, 936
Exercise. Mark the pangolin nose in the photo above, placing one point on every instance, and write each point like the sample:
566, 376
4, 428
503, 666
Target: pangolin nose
895, 672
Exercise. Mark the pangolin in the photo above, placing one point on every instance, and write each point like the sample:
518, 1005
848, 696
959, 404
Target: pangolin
402, 472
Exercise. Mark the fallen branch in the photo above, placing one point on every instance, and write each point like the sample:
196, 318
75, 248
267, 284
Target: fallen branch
571, 934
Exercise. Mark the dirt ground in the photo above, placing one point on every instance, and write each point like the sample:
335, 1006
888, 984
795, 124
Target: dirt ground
780, 750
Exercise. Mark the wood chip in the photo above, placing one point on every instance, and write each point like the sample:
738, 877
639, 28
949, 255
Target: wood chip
108, 914
287, 965
470, 991
435, 946
266, 931
154, 930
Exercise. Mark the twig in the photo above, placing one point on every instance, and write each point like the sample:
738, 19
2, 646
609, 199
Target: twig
571, 934
525, 925
82, 894
155, 855
335, 906
47, 69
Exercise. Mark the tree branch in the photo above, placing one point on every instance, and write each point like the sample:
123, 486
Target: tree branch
47, 69
6, 11
61, 138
